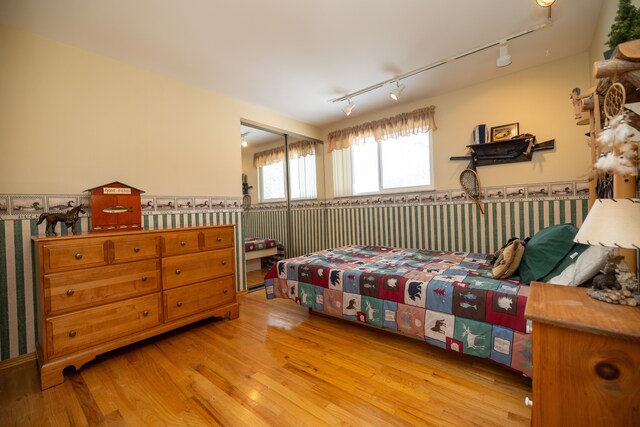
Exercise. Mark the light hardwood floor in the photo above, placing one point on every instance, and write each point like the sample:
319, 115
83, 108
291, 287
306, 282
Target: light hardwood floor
276, 365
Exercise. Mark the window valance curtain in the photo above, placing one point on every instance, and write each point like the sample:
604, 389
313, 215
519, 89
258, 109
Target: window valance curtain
264, 158
405, 124
296, 149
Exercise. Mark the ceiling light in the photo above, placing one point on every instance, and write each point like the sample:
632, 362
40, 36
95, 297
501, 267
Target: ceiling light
244, 142
545, 3
504, 59
395, 94
347, 108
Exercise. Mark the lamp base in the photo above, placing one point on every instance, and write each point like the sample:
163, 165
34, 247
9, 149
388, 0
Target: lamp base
612, 296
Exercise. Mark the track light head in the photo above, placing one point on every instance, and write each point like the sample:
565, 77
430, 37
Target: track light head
395, 94
505, 58
243, 140
347, 108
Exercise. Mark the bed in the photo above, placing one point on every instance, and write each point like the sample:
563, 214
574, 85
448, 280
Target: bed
448, 299
259, 251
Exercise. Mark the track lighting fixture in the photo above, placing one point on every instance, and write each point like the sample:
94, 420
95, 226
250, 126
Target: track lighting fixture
504, 59
347, 108
243, 141
395, 94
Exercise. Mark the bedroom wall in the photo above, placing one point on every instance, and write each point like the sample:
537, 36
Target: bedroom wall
71, 120
537, 98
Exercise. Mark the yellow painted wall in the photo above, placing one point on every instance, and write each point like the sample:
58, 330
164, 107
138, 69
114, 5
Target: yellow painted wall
71, 120
536, 98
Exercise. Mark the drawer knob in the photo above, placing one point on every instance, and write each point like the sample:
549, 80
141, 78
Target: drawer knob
145, 313
136, 249
528, 402
225, 291
72, 333
183, 243
70, 292
219, 239
78, 255
224, 262
179, 303
144, 278
607, 371
178, 271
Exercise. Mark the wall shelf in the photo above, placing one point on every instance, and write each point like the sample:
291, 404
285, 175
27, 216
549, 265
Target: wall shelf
501, 152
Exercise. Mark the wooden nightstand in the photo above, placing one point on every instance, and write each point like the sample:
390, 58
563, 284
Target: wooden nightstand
586, 359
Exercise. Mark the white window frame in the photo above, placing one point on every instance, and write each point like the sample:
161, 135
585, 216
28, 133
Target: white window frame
344, 158
285, 177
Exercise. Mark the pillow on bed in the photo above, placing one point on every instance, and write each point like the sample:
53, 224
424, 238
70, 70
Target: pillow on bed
508, 259
547, 249
587, 265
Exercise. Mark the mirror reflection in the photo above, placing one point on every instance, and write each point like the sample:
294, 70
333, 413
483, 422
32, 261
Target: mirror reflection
284, 192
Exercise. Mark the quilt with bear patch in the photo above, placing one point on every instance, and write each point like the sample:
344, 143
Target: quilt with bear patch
448, 299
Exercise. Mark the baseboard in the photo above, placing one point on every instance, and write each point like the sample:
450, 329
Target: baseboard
17, 361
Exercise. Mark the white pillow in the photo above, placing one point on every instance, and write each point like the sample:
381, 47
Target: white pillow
588, 264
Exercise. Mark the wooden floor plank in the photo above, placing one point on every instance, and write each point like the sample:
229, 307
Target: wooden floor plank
278, 365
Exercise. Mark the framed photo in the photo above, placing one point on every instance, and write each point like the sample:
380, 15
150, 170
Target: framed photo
499, 133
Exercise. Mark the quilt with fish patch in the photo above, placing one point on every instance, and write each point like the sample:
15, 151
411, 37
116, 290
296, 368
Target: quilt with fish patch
448, 299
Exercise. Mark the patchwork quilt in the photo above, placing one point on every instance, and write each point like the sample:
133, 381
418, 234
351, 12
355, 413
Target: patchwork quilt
448, 299
257, 244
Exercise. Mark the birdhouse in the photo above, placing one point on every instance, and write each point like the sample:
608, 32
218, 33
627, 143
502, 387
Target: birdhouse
115, 206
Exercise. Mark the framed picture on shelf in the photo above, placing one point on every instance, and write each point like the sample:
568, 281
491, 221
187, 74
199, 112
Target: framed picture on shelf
502, 132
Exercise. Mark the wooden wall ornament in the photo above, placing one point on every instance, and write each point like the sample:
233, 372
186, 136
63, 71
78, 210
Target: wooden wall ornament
115, 206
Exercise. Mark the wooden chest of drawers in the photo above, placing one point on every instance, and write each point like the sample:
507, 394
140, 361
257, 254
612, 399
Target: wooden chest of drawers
586, 359
96, 293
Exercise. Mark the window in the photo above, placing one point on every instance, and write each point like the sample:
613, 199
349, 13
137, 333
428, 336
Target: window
272, 182
302, 179
393, 165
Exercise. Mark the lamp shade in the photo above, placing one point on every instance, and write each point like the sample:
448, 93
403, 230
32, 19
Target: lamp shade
613, 223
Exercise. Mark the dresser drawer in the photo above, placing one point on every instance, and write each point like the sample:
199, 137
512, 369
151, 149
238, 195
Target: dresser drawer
73, 290
127, 249
180, 242
73, 255
75, 331
216, 238
184, 269
192, 299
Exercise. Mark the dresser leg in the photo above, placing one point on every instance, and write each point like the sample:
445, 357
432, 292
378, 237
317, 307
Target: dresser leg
50, 376
234, 312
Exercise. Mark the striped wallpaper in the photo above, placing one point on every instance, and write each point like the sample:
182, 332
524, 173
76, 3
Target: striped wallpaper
451, 226
17, 272
308, 228
456, 226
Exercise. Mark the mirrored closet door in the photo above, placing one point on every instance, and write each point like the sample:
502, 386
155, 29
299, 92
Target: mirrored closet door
283, 178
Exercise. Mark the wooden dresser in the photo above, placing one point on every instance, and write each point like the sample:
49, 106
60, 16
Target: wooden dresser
586, 359
98, 292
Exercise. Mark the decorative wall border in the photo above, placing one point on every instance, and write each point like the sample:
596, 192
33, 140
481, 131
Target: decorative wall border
27, 206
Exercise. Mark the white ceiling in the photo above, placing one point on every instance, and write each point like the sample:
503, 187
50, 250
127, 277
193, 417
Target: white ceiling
293, 56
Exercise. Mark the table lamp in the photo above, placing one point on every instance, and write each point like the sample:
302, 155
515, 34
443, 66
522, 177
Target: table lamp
613, 223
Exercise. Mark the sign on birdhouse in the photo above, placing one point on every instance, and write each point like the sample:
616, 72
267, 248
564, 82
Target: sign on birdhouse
115, 206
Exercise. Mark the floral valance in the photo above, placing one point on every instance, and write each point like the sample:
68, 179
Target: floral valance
296, 149
405, 124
